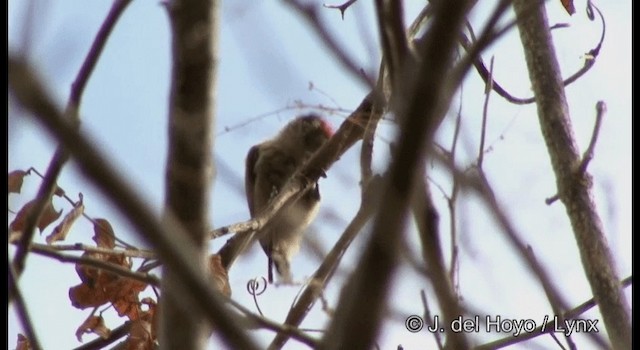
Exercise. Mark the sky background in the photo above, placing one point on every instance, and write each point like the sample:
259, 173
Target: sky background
272, 67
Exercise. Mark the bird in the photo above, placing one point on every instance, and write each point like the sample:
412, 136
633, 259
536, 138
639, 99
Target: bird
269, 165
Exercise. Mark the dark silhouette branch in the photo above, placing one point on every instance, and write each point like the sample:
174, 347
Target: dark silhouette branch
168, 237
21, 309
427, 220
194, 33
425, 107
48, 186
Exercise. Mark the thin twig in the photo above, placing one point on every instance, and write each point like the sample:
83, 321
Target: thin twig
485, 110
547, 327
263, 322
482, 70
427, 220
451, 203
601, 109
138, 253
342, 7
325, 271
587, 156
21, 309
555, 308
97, 263
309, 12
114, 335
429, 318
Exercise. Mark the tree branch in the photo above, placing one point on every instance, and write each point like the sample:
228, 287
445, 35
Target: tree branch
553, 113
426, 104
325, 271
194, 29
168, 237
21, 309
349, 132
60, 157
547, 327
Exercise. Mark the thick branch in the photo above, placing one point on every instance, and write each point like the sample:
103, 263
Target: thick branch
194, 26
553, 113
358, 318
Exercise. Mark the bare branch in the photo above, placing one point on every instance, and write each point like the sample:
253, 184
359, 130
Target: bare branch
349, 132
168, 237
425, 107
60, 157
427, 220
137, 253
263, 322
394, 41
548, 326
589, 60
342, 7
485, 110
194, 32
428, 318
601, 108
21, 308
93, 262
310, 14
325, 271
100, 343
573, 191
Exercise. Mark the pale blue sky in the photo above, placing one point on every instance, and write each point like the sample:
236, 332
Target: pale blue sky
268, 60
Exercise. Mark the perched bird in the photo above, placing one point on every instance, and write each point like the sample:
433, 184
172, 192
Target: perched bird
268, 167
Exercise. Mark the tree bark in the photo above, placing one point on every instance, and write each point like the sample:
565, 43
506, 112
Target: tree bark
189, 164
573, 183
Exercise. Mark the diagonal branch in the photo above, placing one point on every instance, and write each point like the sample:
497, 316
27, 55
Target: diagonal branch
325, 271
60, 157
426, 104
349, 132
168, 237
573, 188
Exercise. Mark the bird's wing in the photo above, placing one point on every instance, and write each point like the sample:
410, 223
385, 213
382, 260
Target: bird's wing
250, 178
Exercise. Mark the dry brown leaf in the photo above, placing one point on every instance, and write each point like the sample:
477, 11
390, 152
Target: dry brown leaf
48, 216
23, 343
93, 324
124, 297
140, 337
568, 5
151, 315
219, 275
61, 231
103, 234
16, 178
95, 276
83, 296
